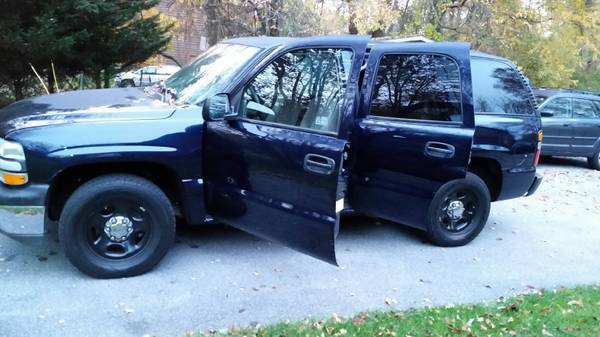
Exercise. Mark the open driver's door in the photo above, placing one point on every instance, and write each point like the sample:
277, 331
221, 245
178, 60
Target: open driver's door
275, 170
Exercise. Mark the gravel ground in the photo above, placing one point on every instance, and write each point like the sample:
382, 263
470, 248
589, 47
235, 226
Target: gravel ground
218, 277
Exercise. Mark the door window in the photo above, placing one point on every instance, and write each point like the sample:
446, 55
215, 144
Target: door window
150, 70
499, 88
420, 86
559, 107
583, 108
303, 88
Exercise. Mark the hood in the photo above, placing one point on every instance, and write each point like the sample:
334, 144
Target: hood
83, 106
129, 74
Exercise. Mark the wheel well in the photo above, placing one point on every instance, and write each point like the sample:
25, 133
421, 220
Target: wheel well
68, 180
490, 172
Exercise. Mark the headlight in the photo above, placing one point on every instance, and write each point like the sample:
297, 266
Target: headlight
12, 161
11, 150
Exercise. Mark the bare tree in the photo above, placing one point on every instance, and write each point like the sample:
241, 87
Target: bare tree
213, 20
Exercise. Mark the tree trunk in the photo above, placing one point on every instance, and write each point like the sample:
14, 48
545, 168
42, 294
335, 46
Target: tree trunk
18, 89
273, 17
352, 28
377, 33
262, 18
50, 78
107, 75
98, 79
211, 8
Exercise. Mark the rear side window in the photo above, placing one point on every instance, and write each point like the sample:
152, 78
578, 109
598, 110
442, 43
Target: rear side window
498, 88
583, 108
422, 87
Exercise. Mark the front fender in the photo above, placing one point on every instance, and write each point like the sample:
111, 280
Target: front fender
175, 142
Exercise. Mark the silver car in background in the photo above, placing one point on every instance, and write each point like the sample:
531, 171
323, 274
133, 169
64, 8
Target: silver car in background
145, 76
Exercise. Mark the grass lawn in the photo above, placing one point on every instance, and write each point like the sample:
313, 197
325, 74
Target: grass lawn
565, 312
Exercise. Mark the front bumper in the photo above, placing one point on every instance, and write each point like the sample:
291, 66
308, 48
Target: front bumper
22, 210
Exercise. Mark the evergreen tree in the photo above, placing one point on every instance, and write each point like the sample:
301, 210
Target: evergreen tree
94, 36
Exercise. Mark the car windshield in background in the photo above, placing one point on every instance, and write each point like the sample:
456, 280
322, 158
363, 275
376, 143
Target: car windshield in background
208, 74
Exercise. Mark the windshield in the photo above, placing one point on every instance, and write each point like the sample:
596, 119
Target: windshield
207, 75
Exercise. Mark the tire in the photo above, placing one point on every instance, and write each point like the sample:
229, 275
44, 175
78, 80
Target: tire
116, 226
594, 162
127, 84
474, 197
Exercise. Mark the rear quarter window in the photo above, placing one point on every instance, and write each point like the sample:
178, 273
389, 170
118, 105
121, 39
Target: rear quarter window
498, 88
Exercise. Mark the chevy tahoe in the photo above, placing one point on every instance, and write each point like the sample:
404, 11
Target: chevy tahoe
275, 136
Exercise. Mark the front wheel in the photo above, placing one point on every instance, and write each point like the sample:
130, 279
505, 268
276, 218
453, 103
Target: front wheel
127, 84
458, 211
594, 161
116, 226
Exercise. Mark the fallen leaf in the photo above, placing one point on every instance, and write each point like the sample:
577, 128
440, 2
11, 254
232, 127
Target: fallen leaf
546, 333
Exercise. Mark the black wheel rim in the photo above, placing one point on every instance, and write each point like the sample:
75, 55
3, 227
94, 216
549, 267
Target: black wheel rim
458, 211
117, 228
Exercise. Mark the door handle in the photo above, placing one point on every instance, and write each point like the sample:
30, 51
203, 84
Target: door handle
566, 124
439, 150
315, 163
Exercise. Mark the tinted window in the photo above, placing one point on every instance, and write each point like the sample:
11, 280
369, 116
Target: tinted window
417, 87
498, 88
559, 107
304, 88
583, 108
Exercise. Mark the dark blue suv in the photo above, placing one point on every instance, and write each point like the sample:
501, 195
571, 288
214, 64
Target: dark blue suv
278, 137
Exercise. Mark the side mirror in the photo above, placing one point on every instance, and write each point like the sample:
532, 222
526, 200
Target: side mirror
217, 108
547, 114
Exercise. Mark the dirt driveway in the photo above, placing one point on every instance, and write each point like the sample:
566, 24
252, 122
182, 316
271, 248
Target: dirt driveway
218, 277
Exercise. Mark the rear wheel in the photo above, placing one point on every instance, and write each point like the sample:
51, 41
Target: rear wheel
594, 161
458, 211
116, 226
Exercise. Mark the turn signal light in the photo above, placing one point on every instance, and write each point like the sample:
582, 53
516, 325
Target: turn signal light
14, 179
538, 152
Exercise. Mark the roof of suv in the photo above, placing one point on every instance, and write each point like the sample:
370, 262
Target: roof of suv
272, 41
551, 92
